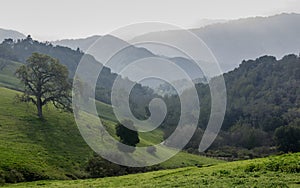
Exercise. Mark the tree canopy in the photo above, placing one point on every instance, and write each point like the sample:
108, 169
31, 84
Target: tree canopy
45, 81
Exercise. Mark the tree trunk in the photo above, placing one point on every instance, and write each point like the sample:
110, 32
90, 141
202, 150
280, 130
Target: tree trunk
39, 108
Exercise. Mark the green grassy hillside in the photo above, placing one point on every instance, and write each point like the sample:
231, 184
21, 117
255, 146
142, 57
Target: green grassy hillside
279, 171
7, 71
41, 149
32, 149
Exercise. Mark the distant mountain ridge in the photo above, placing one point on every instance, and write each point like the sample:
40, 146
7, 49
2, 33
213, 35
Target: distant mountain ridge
83, 43
230, 41
237, 40
5, 34
101, 51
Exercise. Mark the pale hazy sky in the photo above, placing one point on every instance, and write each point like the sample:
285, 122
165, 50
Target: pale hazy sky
57, 19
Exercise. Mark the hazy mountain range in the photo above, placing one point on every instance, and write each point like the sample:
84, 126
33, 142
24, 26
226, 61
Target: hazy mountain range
236, 40
205, 22
125, 54
4, 34
231, 42
83, 43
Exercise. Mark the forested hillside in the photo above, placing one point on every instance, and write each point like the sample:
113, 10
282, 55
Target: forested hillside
263, 109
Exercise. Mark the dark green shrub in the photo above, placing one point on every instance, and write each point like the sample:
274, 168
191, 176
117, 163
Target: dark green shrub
14, 176
288, 138
252, 168
99, 167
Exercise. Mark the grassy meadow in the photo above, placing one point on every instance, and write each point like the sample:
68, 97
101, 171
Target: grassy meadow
53, 148
275, 171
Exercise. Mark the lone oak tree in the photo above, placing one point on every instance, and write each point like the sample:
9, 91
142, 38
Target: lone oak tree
45, 80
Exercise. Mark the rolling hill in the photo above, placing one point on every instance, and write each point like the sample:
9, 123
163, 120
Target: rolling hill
7, 74
5, 34
275, 171
32, 149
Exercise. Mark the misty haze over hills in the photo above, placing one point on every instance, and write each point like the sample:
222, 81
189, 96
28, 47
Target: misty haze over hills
4, 34
130, 54
103, 49
234, 41
231, 42
206, 22
83, 43
150, 93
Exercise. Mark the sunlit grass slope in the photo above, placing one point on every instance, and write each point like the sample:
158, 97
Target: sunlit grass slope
279, 171
54, 148
7, 73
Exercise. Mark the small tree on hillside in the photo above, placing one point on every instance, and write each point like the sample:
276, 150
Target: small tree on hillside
45, 80
127, 136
